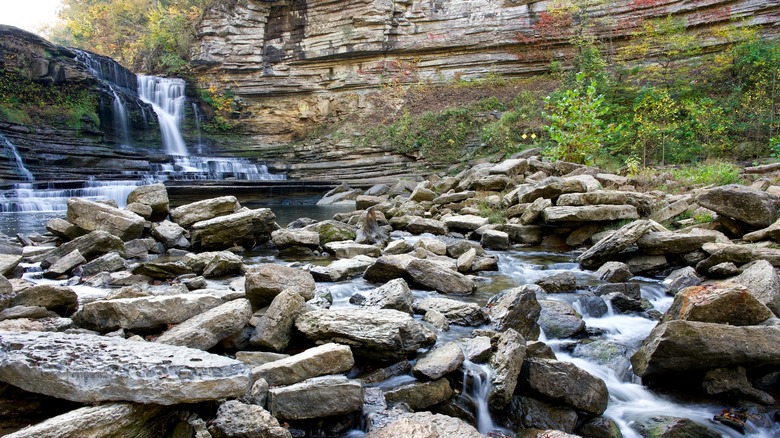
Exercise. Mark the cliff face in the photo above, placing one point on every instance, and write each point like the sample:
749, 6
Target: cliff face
297, 62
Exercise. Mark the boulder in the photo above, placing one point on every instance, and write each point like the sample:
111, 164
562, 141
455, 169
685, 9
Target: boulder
318, 361
424, 424
153, 195
188, 214
667, 242
662, 426
368, 229
236, 419
110, 262
432, 275
246, 228
332, 231
642, 201
435, 246
60, 299
517, 309
223, 263
457, 312
524, 234
420, 225
162, 270
90, 246
317, 397
438, 362
364, 202
420, 395
64, 229
144, 313
566, 383
495, 239
559, 320
27, 312
284, 239
680, 279
678, 346
348, 250
613, 244
607, 353
90, 369
264, 282
342, 269
96, 216
534, 210
558, 283
450, 198
733, 382
670, 211
507, 362
377, 334
589, 213
388, 267
761, 279
530, 413
466, 222
552, 188
65, 264
207, 329
142, 210
477, 349
170, 234
492, 183
275, 328
745, 204
422, 194
510, 167
613, 272
724, 303
395, 294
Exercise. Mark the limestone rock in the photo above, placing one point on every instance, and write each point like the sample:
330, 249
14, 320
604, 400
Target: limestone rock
589, 213
395, 294
467, 222
60, 299
681, 278
507, 362
761, 279
153, 195
667, 242
495, 239
89, 369
439, 361
565, 382
662, 426
421, 395
170, 234
342, 269
457, 312
64, 229
557, 283
207, 329
332, 231
517, 309
90, 246
613, 244
95, 216
106, 263
65, 264
388, 267
314, 362
274, 330
433, 276
318, 397
613, 272
535, 414
745, 204
264, 282
246, 228
725, 303
559, 320
188, 214
420, 225
348, 250
236, 419
283, 239
425, 424
142, 210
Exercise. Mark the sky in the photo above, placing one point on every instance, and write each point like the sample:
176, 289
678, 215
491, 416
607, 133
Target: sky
29, 15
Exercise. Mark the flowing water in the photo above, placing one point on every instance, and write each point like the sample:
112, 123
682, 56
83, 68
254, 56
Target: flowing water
24, 174
166, 96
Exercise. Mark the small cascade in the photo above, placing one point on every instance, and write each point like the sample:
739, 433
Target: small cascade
198, 119
166, 95
476, 382
121, 124
215, 168
24, 174
27, 198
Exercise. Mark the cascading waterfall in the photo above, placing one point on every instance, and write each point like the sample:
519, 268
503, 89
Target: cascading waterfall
476, 380
166, 96
24, 174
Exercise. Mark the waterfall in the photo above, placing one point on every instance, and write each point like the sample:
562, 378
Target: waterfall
166, 95
476, 381
25, 174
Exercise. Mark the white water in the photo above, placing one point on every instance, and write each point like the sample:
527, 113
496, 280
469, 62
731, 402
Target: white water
477, 383
166, 96
24, 174
215, 168
24, 198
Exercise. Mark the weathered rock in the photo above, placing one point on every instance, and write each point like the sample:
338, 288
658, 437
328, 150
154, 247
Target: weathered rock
600, 427
613, 272
435, 246
145, 313
420, 395
456, 312
667, 242
680, 346
395, 294
534, 210
466, 222
106, 263
103, 421
672, 427
95, 216
60, 299
640, 264
495, 239
733, 382
236, 419
557, 283
507, 362
566, 383
364, 202
348, 250
670, 211
388, 267
317, 397
535, 414
342, 269
153, 195
552, 188
207, 329
28, 312
65, 264
89, 369
332, 231
724, 303
745, 204
494, 183
643, 202
90, 246
439, 362
449, 198
559, 320
162, 270
517, 309
264, 282
527, 234
631, 290
433, 276
424, 424
466, 260
477, 349
613, 244
761, 279
378, 334
420, 225
318, 361
246, 228
511, 167
188, 214
142, 210
170, 234
274, 330
422, 194
221, 264
64, 229
610, 354
139, 248
589, 213
284, 239
681, 278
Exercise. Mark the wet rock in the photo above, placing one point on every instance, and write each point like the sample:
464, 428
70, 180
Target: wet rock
89, 369
245, 228
162, 270
613, 244
529, 413
477, 349
256, 358
517, 309
60, 299
153, 195
236, 419
378, 334
348, 250
275, 328
600, 427
437, 319
395, 294
613, 272
317, 397
680, 346
420, 395
420, 225
623, 303
145, 313
342, 269
103, 421
188, 214
761, 279
264, 282
457, 312
566, 383
589, 213
724, 303
680, 279
110, 262
170, 234
433, 276
64, 265
209, 328
667, 242
439, 362
559, 320
507, 362
557, 283
423, 424
672, 427
397, 247
733, 382
343, 194
745, 204
318, 361
495, 239
95, 216
607, 353
592, 305
466, 222
90, 246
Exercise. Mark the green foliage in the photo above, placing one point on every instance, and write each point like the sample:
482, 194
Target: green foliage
496, 215
222, 103
576, 124
774, 146
717, 172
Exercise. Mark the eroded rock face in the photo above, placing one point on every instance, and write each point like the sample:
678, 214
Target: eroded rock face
89, 369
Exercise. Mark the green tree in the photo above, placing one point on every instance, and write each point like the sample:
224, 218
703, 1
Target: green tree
655, 118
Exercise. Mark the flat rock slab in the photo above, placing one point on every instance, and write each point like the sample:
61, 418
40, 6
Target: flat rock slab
589, 213
89, 369
96, 216
745, 204
318, 397
246, 228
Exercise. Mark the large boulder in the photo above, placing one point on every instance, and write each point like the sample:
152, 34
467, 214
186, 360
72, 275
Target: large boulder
317, 397
189, 214
144, 313
589, 213
275, 328
245, 228
153, 195
745, 204
376, 334
434, 276
613, 244
264, 282
207, 329
725, 303
678, 346
761, 279
566, 383
439, 361
516, 309
455, 311
90, 246
90, 369
507, 362
318, 361
235, 419
95, 216
60, 299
